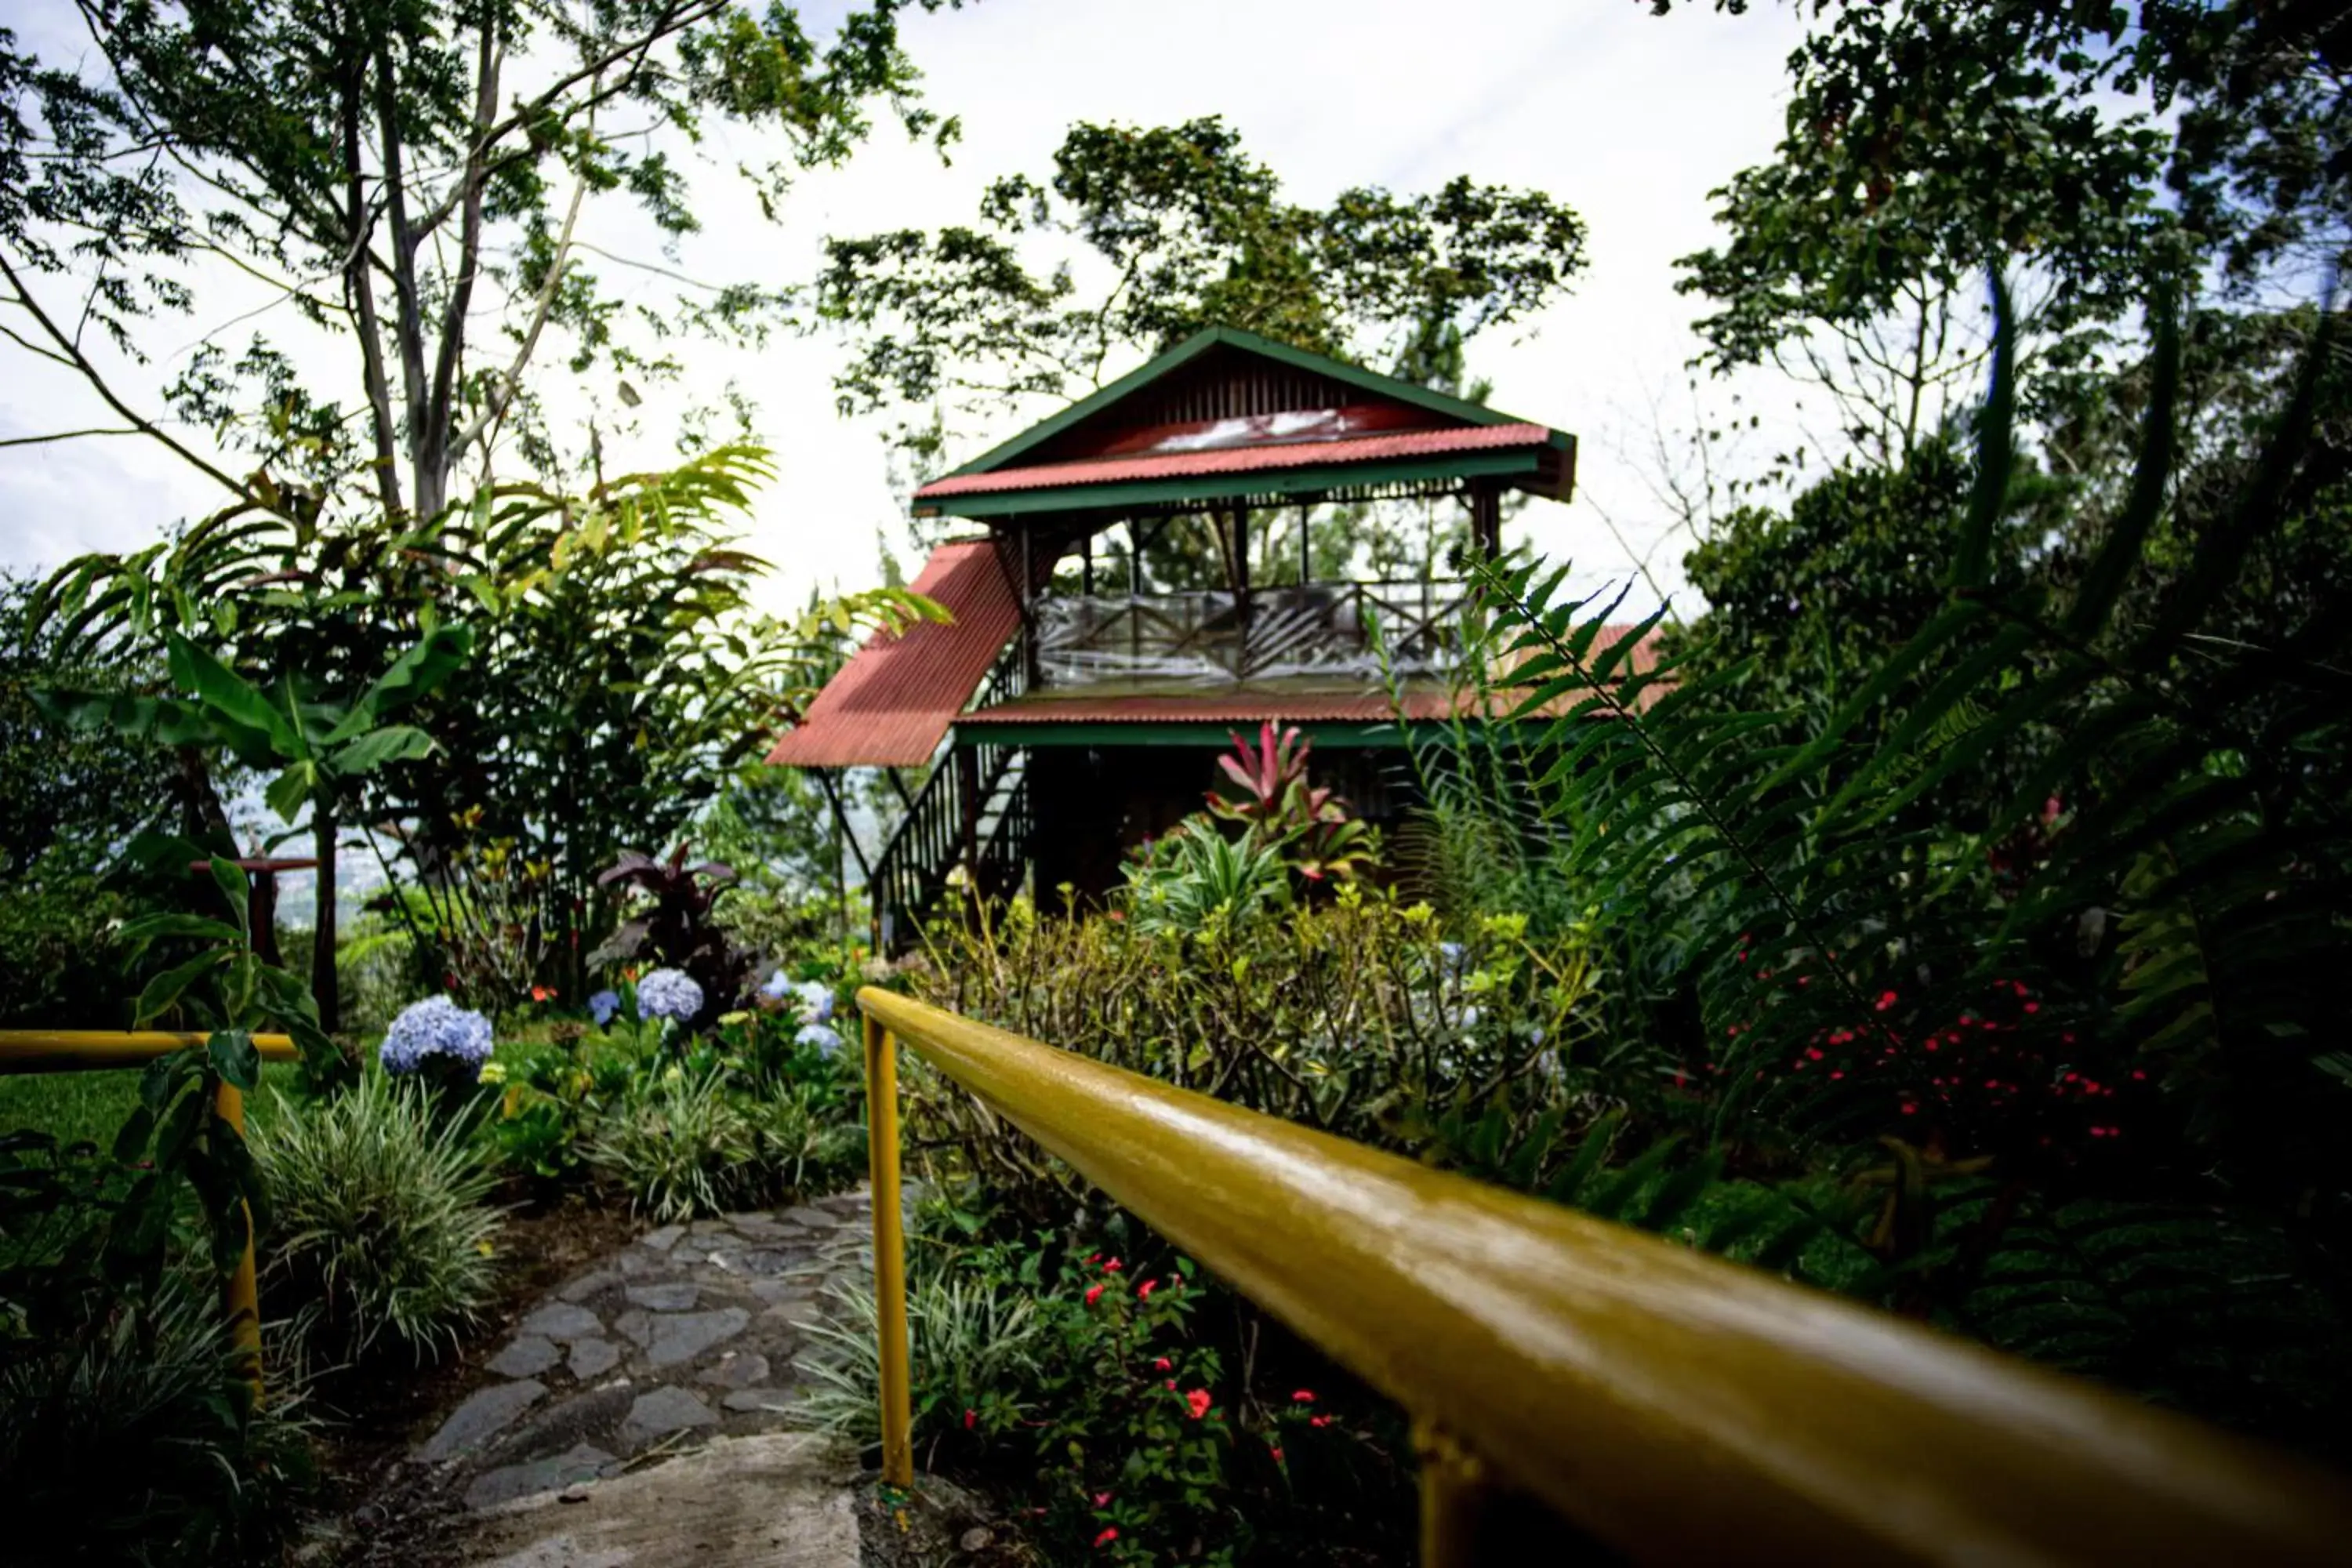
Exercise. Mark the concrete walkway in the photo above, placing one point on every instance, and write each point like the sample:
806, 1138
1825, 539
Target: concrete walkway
641, 1413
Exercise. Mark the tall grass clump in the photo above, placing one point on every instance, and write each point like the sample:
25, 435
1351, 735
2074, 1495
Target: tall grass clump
381, 1231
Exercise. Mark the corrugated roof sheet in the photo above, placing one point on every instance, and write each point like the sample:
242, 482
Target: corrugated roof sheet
891, 704
1238, 459
1244, 705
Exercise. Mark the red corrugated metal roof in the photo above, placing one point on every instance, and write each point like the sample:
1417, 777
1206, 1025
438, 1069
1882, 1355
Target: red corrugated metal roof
1238, 459
891, 704
1247, 706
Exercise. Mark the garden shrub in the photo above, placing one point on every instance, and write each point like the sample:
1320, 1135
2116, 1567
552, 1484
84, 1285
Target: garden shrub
678, 1145
381, 1235
763, 1111
132, 1441
1084, 1390
1363, 1017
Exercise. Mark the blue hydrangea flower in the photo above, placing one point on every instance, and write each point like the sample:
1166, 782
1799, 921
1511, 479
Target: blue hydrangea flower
777, 984
816, 1002
434, 1027
825, 1041
668, 993
603, 1005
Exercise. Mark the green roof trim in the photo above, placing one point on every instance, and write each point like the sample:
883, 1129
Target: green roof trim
1218, 487
1201, 343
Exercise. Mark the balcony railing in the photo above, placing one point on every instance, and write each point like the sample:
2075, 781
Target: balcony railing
1271, 634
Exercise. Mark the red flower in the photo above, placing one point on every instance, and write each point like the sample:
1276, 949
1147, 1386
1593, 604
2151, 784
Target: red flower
1885, 999
1112, 1266
1094, 1257
1170, 1385
1094, 1294
1116, 915
1319, 1421
1107, 1536
1143, 1291
970, 1416
1304, 1396
1161, 1365
1277, 1455
1102, 1499
542, 992
1198, 1402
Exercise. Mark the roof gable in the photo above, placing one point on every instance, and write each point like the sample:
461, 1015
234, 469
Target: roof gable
1225, 388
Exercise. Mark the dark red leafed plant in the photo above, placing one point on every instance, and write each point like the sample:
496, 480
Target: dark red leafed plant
669, 904
1312, 829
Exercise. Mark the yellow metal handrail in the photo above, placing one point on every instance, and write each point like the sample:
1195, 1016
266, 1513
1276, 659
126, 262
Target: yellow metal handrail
1680, 1406
100, 1050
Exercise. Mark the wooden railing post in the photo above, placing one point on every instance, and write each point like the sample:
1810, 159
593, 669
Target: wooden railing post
889, 1252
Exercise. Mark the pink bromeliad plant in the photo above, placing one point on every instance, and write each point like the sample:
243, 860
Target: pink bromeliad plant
1311, 828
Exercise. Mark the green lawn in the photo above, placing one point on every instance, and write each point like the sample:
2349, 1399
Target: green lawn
73, 1106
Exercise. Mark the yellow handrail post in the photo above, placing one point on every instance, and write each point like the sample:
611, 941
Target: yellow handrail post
889, 1252
240, 1296
1454, 1493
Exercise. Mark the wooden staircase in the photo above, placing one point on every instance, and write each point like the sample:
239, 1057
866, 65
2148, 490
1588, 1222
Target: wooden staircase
974, 814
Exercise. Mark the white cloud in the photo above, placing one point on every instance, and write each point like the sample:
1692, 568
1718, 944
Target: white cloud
1629, 118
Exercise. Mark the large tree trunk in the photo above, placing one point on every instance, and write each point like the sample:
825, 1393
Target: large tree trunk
325, 988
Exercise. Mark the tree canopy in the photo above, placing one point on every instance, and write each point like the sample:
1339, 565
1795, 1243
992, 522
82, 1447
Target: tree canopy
413, 183
1140, 237
2103, 153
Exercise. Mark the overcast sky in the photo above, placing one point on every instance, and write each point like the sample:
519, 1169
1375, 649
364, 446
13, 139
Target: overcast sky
1629, 118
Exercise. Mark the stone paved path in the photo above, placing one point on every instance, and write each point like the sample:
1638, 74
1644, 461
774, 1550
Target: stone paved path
685, 1342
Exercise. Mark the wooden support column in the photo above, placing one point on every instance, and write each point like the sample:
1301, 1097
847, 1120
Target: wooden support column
1238, 529
1486, 517
841, 820
1305, 543
1028, 611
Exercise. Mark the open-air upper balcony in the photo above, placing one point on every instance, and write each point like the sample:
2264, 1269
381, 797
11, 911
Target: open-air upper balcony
1275, 635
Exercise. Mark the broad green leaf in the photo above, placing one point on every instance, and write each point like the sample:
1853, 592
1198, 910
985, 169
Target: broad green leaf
440, 654
227, 693
165, 989
230, 878
290, 789
130, 1140
234, 1058
137, 934
393, 744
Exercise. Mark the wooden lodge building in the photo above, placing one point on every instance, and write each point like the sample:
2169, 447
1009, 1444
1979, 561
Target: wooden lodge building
1077, 701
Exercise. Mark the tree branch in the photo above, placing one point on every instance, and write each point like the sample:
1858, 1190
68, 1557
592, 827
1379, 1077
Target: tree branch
68, 435
90, 373
408, 329
440, 411
360, 288
670, 22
